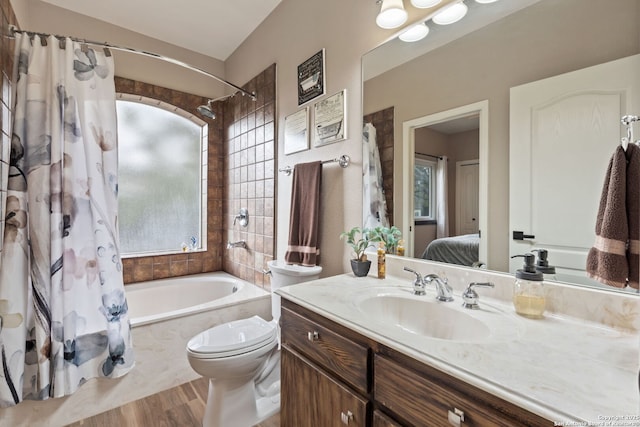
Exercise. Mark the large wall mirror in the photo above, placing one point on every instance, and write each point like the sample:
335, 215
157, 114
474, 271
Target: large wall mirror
454, 96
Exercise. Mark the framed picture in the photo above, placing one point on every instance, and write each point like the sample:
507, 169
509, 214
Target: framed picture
311, 78
296, 131
329, 119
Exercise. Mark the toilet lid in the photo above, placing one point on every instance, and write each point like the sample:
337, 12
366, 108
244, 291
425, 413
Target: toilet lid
236, 337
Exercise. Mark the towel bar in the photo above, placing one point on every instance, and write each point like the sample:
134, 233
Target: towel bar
343, 161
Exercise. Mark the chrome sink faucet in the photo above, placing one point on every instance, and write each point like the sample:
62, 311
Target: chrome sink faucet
470, 296
445, 292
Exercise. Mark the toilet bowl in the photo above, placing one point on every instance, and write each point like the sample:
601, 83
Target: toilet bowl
242, 359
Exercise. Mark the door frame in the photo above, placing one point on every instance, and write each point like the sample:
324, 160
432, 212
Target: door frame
480, 108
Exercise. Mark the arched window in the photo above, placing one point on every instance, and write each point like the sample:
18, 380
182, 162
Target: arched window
162, 177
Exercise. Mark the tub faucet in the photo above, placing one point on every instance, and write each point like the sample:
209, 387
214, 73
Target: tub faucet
445, 292
238, 244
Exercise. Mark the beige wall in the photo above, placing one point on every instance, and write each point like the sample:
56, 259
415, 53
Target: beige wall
293, 32
546, 39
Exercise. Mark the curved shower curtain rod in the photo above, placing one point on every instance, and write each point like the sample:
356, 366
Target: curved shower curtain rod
13, 30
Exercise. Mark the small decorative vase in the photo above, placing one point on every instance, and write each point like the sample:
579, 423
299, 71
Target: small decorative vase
360, 268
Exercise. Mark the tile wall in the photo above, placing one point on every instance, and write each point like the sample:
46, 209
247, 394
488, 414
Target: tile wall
250, 164
383, 122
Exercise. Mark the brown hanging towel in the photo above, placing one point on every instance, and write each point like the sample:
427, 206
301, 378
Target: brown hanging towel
304, 226
633, 213
607, 259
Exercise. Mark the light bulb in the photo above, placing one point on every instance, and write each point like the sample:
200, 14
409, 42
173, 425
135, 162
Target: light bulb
486, 1
392, 14
451, 14
423, 4
415, 33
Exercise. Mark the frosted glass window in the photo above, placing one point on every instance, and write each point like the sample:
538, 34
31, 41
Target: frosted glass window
161, 192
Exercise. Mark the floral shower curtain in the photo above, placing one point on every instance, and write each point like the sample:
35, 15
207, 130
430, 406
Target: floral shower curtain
373, 200
63, 313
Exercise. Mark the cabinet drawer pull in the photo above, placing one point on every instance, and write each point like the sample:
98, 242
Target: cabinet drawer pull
313, 336
346, 417
456, 417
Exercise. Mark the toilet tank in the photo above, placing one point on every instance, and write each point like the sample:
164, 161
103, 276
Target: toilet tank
283, 274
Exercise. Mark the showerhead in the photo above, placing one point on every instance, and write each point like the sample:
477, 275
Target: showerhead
206, 111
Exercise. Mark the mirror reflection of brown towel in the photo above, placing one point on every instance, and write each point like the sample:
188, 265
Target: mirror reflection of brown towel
633, 213
304, 225
613, 259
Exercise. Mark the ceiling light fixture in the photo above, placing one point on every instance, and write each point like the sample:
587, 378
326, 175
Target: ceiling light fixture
486, 1
423, 4
450, 14
392, 14
415, 33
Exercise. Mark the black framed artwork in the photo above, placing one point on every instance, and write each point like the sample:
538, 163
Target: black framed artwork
311, 78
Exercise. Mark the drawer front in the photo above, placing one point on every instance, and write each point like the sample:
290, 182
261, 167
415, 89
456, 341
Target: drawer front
417, 400
342, 357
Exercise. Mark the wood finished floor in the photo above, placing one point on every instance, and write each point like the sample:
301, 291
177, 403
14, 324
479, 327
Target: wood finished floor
181, 406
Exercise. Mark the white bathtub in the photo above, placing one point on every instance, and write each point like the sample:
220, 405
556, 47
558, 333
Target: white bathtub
165, 299
164, 314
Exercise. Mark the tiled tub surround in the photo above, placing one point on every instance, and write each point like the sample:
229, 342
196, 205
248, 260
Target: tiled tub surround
579, 363
161, 360
249, 165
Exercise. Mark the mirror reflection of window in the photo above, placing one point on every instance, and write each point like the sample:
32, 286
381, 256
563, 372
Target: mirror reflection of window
424, 201
160, 193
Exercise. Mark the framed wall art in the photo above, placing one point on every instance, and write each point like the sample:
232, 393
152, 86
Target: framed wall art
311, 77
329, 119
296, 131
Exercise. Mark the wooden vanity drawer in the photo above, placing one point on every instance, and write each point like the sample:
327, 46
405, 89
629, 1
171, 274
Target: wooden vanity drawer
419, 399
344, 358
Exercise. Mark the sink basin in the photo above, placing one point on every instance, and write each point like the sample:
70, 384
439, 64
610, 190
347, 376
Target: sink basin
425, 317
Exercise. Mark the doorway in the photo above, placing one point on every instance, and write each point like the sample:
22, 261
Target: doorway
440, 121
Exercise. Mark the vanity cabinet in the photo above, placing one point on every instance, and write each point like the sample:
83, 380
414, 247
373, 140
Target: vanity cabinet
324, 374
334, 376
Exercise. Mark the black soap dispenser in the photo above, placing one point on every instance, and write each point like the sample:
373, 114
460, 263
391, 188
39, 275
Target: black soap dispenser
542, 265
528, 292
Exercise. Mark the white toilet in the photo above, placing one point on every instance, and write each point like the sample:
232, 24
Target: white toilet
242, 359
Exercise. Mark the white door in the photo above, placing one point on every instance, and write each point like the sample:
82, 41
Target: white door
555, 124
467, 184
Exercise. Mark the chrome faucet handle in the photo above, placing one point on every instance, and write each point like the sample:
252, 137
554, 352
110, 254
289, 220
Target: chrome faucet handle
470, 296
243, 216
445, 292
418, 283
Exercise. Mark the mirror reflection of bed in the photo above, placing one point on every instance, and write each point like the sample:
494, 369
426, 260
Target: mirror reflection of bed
446, 224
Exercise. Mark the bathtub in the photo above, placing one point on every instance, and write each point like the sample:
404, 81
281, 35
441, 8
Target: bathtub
164, 315
162, 300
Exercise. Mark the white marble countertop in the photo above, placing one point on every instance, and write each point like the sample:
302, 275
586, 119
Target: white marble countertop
563, 369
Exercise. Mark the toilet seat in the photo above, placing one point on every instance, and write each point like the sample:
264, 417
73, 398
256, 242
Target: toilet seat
232, 338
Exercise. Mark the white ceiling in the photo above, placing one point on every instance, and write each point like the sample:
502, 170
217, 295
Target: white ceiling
212, 27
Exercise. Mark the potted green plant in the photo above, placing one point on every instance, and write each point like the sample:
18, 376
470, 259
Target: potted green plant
359, 240
391, 236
